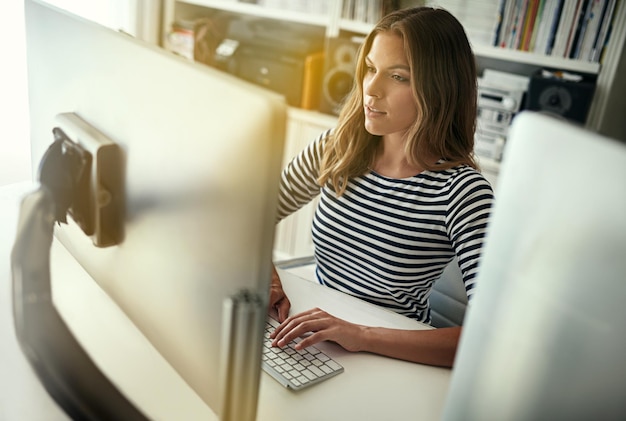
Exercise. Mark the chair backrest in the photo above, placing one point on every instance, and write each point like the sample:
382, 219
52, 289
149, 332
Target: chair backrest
448, 298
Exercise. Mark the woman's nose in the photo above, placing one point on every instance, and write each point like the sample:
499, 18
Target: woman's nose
371, 85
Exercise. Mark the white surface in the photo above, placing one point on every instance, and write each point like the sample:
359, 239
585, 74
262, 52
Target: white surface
372, 387
306, 272
15, 157
547, 318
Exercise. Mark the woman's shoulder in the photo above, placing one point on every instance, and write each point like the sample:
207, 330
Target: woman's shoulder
325, 136
321, 140
460, 175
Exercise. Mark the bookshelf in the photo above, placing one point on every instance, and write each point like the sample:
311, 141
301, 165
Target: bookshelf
481, 21
484, 21
586, 19
529, 58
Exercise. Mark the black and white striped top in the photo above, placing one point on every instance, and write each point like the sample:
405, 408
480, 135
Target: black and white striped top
387, 240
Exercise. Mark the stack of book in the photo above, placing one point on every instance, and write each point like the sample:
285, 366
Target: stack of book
317, 7
367, 11
479, 17
574, 29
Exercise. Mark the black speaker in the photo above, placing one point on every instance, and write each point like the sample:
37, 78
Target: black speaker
567, 97
339, 67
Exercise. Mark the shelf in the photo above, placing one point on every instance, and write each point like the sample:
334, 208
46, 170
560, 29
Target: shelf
604, 112
324, 20
355, 26
523, 57
263, 12
536, 59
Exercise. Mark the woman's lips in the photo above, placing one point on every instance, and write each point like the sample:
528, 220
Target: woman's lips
372, 112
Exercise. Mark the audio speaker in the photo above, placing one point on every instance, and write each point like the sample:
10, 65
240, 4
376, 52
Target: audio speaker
339, 67
566, 97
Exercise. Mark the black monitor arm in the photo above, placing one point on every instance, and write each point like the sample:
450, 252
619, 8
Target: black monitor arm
66, 371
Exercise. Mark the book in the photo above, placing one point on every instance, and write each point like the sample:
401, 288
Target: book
579, 18
581, 31
507, 24
518, 28
529, 24
360, 10
591, 32
540, 32
348, 9
499, 22
565, 27
553, 27
374, 11
607, 19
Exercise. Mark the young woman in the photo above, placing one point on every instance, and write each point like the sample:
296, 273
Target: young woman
401, 195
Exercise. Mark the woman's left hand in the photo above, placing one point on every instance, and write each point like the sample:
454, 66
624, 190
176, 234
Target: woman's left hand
315, 326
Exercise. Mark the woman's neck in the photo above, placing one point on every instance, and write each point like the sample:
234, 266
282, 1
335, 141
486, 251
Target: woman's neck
391, 160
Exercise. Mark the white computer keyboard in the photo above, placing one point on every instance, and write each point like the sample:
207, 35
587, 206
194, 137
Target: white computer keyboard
296, 369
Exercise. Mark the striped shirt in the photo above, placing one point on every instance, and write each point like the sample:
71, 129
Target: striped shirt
387, 240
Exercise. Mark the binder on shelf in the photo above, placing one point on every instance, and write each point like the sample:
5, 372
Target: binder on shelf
554, 24
564, 28
579, 17
592, 27
544, 27
529, 24
605, 25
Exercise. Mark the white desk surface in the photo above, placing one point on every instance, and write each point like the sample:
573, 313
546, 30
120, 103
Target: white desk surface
371, 388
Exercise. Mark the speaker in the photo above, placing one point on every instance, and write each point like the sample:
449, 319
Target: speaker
566, 96
339, 68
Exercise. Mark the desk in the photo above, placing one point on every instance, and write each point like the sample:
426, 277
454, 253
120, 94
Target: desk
371, 388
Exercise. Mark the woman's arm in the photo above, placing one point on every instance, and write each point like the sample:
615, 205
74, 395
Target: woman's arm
433, 347
467, 220
298, 186
298, 180
279, 304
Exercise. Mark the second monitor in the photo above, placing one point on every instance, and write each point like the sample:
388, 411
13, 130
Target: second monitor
201, 160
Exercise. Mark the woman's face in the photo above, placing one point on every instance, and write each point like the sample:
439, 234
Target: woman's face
388, 101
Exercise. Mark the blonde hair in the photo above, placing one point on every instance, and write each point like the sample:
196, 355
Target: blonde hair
443, 80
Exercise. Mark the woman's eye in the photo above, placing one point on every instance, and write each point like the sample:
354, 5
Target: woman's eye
370, 69
399, 78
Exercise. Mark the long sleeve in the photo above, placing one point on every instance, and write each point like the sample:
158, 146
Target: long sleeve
470, 201
298, 183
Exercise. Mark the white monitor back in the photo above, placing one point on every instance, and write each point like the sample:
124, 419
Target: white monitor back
544, 337
202, 154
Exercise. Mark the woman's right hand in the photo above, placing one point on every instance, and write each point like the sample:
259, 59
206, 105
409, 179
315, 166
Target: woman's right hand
279, 304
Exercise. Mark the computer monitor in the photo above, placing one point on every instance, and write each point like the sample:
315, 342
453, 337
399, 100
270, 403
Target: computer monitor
544, 337
201, 153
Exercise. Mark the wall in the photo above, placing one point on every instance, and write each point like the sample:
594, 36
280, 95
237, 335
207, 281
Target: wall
15, 162
14, 145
